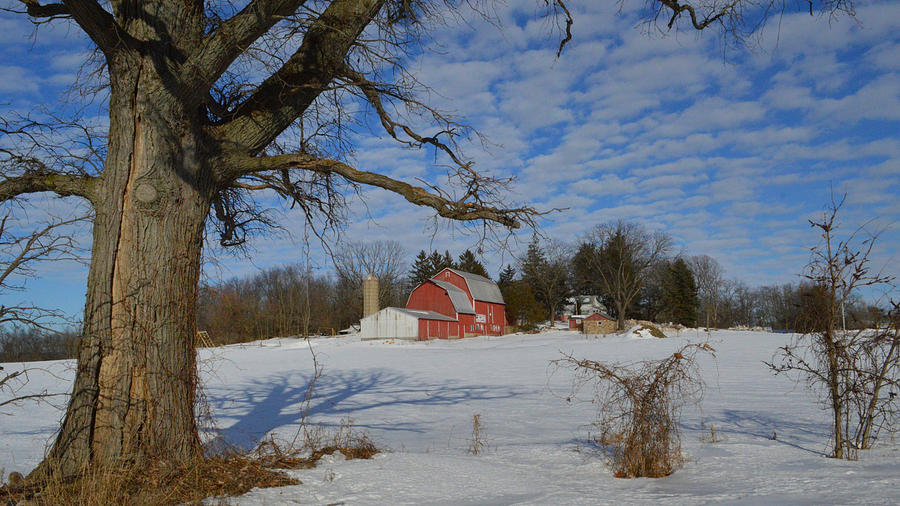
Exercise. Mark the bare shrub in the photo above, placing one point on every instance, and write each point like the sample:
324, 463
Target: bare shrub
640, 406
346, 440
857, 372
478, 442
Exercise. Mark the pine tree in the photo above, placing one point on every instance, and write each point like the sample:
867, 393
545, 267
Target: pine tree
427, 265
547, 277
521, 307
421, 269
468, 263
446, 262
680, 294
507, 276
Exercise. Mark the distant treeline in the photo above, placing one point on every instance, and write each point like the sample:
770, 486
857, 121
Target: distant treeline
636, 276
289, 300
32, 344
690, 290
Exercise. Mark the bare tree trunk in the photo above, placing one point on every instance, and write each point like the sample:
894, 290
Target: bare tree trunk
133, 396
880, 377
834, 390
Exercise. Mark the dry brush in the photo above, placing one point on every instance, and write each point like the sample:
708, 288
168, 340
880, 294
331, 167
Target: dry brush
640, 407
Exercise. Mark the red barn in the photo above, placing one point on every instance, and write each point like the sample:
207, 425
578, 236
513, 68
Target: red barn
472, 300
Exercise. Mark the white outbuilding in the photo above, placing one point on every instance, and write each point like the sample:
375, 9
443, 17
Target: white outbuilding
402, 323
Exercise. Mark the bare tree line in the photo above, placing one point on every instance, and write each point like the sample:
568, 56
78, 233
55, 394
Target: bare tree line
280, 301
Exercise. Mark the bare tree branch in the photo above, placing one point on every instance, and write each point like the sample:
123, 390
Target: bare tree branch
36, 10
737, 19
19, 253
64, 185
460, 210
285, 95
373, 93
227, 42
98, 24
678, 9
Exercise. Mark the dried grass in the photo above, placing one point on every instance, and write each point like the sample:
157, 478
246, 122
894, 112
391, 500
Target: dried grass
153, 483
228, 474
478, 442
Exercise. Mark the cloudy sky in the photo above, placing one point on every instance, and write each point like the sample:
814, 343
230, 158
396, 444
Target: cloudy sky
729, 151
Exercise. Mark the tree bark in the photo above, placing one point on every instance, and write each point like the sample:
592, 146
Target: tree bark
133, 396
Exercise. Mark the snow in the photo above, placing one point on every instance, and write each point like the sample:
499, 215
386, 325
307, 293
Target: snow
417, 400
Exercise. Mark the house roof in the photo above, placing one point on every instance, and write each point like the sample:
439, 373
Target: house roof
427, 315
482, 288
458, 297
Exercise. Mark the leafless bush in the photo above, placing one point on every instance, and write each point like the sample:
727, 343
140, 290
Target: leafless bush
857, 372
640, 406
346, 440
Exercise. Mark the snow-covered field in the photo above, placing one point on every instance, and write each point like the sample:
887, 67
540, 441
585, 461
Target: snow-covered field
417, 400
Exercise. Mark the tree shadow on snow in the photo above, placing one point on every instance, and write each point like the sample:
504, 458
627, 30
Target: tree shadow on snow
278, 400
800, 434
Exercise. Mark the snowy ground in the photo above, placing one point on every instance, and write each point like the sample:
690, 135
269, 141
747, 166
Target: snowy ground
417, 400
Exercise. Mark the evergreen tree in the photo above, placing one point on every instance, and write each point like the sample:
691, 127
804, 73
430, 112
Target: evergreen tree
680, 294
651, 304
584, 269
547, 275
521, 307
446, 261
507, 276
468, 263
421, 269
427, 265
439, 262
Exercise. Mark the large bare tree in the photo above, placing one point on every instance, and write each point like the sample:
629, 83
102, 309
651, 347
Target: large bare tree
709, 275
191, 134
627, 253
355, 260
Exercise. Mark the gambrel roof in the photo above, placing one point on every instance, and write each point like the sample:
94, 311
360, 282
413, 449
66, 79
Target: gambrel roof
481, 288
458, 297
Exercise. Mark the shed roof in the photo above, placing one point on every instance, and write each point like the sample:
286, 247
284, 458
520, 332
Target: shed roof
482, 288
426, 315
458, 297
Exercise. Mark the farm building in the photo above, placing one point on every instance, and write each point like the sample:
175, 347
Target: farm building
451, 305
402, 323
597, 323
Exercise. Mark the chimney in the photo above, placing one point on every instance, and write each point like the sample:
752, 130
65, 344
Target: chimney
370, 295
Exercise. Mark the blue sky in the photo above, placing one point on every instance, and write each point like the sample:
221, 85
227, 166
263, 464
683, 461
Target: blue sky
730, 152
